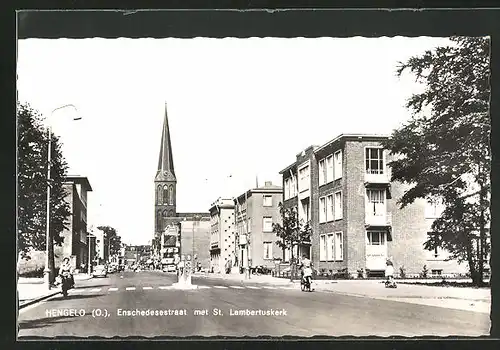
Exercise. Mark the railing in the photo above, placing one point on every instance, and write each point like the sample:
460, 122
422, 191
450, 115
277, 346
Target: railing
379, 220
376, 177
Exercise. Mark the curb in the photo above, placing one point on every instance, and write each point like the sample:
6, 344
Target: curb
38, 299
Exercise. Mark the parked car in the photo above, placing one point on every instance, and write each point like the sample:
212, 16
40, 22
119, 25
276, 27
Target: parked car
169, 268
100, 271
111, 268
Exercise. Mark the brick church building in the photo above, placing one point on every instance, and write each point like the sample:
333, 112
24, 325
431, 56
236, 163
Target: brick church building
192, 230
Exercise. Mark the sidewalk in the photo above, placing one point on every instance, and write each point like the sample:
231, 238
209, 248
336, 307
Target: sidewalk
242, 278
32, 290
461, 298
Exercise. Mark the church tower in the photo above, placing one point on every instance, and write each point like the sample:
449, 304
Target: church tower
165, 181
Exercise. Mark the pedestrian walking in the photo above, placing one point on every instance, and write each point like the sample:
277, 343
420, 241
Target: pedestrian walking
228, 265
389, 273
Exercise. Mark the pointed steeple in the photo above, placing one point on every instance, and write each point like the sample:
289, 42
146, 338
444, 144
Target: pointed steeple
165, 161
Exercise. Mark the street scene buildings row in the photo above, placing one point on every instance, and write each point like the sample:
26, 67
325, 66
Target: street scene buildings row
343, 189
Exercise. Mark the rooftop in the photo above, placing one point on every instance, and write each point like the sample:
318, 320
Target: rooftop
82, 180
317, 149
353, 136
267, 188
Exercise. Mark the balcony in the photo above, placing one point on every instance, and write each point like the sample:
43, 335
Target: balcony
377, 178
378, 220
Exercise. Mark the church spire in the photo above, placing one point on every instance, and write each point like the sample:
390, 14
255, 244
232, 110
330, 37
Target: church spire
165, 161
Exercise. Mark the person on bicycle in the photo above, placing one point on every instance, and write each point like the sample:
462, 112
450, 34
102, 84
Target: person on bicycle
389, 271
66, 267
306, 270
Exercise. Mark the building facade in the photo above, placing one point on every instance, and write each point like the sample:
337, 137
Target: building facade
222, 235
256, 211
75, 245
176, 234
344, 190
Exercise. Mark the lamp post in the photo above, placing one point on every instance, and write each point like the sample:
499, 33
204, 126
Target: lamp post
90, 236
49, 160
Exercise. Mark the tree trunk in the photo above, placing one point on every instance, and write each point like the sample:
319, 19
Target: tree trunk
472, 265
291, 263
482, 235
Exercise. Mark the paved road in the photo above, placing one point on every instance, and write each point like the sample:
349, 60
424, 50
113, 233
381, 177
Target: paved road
304, 314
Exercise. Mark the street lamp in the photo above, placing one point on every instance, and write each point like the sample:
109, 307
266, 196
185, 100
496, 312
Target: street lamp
196, 219
90, 236
47, 238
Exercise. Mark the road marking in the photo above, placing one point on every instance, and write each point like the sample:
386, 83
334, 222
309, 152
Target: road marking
147, 287
76, 290
112, 289
267, 287
96, 290
220, 287
237, 287
165, 287
288, 288
130, 288
252, 287
203, 287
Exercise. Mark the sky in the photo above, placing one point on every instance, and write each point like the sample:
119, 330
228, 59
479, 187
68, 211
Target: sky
239, 110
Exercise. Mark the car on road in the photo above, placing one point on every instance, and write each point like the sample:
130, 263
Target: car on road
100, 271
169, 268
111, 268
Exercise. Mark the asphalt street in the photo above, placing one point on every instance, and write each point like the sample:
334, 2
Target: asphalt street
98, 307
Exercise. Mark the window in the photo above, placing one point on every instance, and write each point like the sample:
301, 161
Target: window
165, 194
158, 221
436, 272
329, 208
374, 160
322, 247
158, 199
171, 194
304, 178
286, 258
249, 225
433, 210
338, 206
329, 166
305, 214
376, 202
287, 189
268, 250
268, 201
267, 224
339, 246
293, 188
376, 238
322, 209
322, 172
329, 247
338, 164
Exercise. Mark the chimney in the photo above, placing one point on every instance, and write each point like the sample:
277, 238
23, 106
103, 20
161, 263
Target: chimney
268, 183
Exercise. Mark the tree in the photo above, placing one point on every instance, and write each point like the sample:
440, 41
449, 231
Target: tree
443, 152
112, 238
291, 232
115, 245
32, 186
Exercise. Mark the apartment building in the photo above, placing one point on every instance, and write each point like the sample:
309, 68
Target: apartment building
75, 244
343, 189
256, 211
222, 235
